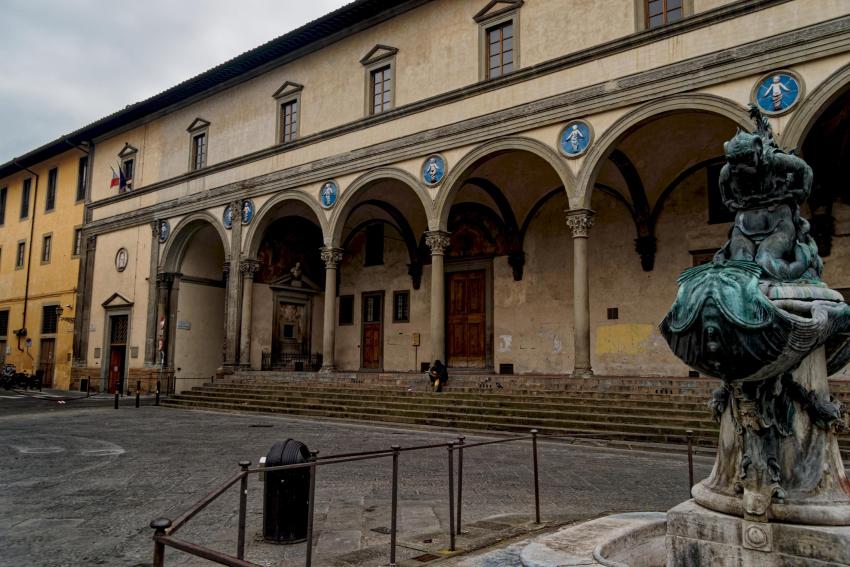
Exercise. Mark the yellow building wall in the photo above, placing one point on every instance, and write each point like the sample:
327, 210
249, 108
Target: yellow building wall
50, 283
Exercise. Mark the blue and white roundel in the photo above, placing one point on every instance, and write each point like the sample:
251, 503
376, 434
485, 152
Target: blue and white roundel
247, 211
227, 217
433, 170
164, 230
777, 93
575, 138
327, 194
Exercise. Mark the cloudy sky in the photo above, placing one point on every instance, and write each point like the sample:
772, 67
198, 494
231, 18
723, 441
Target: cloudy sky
66, 63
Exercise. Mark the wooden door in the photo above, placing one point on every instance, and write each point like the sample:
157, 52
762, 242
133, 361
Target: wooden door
47, 361
372, 343
467, 320
116, 369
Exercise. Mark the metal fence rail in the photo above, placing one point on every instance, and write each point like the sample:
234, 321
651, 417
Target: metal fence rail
164, 529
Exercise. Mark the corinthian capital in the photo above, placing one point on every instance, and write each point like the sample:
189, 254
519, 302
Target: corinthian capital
249, 268
580, 221
331, 256
437, 241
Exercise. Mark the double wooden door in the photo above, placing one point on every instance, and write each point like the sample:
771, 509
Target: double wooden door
467, 320
373, 335
47, 361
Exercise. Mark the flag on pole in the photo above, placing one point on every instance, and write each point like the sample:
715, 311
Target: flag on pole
122, 181
115, 178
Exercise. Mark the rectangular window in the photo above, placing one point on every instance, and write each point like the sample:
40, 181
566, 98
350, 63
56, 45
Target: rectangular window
78, 242
661, 12
401, 307
4, 323
346, 310
288, 121
49, 319
128, 166
500, 49
82, 174
3, 192
374, 245
381, 90
46, 246
199, 150
50, 197
20, 256
25, 198
613, 313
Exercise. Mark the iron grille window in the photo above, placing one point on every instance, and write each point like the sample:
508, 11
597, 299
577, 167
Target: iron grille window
50, 197
46, 247
4, 323
82, 174
401, 307
25, 198
613, 313
372, 309
374, 245
288, 121
49, 319
500, 50
346, 310
20, 256
661, 12
199, 150
3, 192
118, 330
78, 242
382, 94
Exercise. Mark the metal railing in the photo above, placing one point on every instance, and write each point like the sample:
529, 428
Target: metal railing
165, 529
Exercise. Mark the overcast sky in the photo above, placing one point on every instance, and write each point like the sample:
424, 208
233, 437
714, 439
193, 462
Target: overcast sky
67, 63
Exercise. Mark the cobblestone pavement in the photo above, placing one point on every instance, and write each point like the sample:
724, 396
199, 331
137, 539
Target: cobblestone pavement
80, 481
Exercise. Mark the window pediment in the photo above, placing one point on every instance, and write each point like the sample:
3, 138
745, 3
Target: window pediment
288, 88
496, 8
128, 150
378, 53
197, 124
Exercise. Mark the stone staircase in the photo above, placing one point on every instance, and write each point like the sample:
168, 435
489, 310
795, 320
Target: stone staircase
620, 410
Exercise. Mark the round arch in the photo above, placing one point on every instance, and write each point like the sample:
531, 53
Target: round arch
254, 236
456, 178
813, 106
172, 253
606, 143
346, 201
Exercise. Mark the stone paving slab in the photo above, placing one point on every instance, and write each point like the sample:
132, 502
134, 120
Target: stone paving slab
79, 483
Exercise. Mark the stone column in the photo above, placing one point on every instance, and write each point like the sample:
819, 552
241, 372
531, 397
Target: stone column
438, 241
82, 318
234, 292
331, 257
580, 221
162, 325
150, 334
248, 268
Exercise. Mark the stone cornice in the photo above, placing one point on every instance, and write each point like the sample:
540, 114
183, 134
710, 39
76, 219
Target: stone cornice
785, 49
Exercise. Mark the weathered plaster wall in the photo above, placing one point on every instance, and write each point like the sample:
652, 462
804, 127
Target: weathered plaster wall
198, 350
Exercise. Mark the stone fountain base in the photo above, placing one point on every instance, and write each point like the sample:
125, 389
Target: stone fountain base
698, 537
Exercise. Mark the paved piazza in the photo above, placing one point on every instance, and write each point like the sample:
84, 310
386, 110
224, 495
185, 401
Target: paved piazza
80, 482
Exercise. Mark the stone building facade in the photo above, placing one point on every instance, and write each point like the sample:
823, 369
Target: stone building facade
508, 186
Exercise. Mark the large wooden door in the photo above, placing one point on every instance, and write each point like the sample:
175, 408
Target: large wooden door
47, 361
467, 320
116, 369
372, 344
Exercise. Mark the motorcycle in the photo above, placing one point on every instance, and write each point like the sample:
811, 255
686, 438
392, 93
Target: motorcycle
11, 378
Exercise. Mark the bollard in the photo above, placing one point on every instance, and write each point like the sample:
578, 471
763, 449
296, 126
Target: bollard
394, 511
536, 478
243, 506
460, 441
310, 507
137, 398
160, 525
690, 435
116, 399
156, 399
88, 387
451, 448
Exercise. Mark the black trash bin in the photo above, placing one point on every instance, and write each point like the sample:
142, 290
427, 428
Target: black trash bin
286, 494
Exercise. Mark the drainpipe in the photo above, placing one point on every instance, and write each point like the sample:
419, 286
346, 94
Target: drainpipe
29, 254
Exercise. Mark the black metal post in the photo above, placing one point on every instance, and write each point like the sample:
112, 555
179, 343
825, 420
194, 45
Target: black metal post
394, 511
243, 505
156, 399
160, 525
690, 435
138, 388
40, 380
88, 387
451, 448
460, 441
536, 478
310, 507
116, 399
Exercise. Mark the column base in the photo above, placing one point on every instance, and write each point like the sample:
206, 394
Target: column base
582, 373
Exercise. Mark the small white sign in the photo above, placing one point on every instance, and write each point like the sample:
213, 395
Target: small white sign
92, 328
184, 325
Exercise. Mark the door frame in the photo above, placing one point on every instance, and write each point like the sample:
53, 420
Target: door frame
304, 298
382, 293
485, 264
109, 312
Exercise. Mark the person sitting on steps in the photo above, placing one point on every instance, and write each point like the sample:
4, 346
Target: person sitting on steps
438, 375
